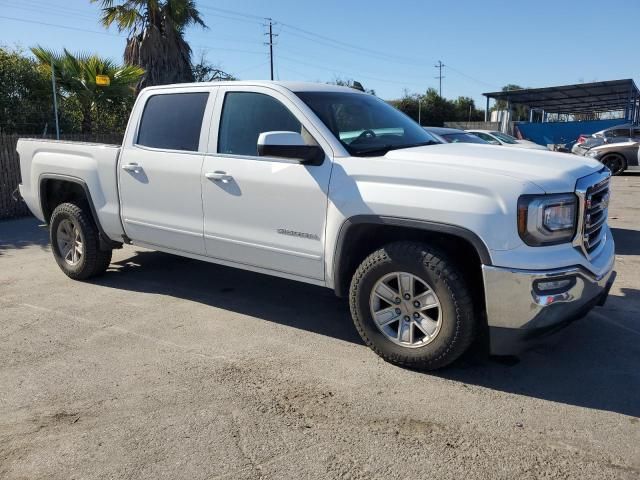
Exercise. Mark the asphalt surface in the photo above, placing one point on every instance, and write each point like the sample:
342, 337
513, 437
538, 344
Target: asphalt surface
171, 368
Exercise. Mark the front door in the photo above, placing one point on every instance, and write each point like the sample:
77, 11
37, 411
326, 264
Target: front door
160, 170
262, 211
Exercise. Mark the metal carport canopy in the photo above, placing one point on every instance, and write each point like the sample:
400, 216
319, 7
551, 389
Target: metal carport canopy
579, 98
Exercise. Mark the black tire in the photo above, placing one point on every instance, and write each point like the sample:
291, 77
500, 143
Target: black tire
458, 323
614, 162
93, 260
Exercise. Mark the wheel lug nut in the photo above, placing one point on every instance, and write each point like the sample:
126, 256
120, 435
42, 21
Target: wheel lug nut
416, 315
407, 318
407, 296
397, 300
398, 311
416, 304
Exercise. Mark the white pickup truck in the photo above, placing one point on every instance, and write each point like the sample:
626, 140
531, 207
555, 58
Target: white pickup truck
432, 243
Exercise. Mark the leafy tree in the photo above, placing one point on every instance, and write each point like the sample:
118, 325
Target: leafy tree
203, 71
76, 76
465, 110
155, 36
435, 110
25, 94
352, 84
519, 112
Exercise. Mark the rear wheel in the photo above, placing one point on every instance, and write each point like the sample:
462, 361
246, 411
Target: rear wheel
75, 242
614, 162
412, 307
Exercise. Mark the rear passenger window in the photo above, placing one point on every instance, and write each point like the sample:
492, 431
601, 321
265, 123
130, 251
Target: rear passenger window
619, 132
173, 121
245, 115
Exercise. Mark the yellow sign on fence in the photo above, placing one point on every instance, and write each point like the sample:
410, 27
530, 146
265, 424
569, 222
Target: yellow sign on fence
103, 80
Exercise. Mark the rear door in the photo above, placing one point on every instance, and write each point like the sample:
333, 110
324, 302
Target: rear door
160, 169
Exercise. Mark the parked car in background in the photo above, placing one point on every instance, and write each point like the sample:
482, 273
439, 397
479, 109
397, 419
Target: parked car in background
498, 138
454, 135
617, 157
619, 133
580, 148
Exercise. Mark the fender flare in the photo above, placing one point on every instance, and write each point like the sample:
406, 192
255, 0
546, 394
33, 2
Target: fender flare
105, 241
427, 226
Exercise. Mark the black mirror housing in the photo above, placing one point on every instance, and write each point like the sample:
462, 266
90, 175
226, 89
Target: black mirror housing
307, 154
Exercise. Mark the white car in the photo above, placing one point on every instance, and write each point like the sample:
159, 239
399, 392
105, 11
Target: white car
432, 243
498, 138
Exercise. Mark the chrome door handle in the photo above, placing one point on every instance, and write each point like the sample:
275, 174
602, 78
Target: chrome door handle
218, 176
132, 167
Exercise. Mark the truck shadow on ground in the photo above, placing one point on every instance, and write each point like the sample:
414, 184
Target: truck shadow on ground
22, 233
592, 364
627, 241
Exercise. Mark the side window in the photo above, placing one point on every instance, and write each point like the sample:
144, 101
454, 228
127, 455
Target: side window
173, 121
485, 137
619, 132
635, 133
245, 115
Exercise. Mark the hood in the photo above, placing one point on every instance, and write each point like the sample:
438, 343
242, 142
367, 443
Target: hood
551, 171
529, 144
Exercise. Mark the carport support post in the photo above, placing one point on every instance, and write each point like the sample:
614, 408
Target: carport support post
486, 111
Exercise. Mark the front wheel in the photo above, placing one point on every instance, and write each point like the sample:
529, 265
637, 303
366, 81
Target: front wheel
75, 242
412, 307
615, 162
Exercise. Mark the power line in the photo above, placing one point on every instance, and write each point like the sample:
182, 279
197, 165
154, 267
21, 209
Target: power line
342, 44
67, 27
471, 78
232, 12
325, 68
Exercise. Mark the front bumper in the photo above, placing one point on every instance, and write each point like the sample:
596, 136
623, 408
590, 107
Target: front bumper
518, 313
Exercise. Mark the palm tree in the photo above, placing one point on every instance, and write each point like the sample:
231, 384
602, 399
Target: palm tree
155, 36
76, 76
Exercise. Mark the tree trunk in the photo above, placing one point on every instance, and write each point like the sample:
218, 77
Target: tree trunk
87, 120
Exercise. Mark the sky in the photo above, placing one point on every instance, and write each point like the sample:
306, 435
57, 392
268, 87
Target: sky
390, 47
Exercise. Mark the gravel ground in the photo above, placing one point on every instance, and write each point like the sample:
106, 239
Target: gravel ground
171, 368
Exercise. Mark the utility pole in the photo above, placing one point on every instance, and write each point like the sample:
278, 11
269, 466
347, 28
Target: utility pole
419, 110
440, 66
270, 43
55, 100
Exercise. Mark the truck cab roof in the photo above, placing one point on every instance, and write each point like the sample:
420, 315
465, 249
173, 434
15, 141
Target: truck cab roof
291, 86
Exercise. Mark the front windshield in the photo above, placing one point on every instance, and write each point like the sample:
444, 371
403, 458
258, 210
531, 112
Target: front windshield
462, 137
364, 124
503, 137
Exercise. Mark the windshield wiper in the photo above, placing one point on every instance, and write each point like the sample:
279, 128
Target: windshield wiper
387, 148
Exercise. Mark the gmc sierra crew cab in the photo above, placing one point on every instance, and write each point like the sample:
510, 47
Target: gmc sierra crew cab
433, 244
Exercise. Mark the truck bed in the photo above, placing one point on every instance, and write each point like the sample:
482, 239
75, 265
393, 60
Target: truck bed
93, 165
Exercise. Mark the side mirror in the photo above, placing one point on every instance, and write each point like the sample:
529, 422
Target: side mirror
289, 145
494, 142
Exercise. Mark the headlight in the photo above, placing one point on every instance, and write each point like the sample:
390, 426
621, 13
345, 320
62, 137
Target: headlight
592, 153
547, 219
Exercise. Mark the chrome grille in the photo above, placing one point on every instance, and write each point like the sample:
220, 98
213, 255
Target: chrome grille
593, 192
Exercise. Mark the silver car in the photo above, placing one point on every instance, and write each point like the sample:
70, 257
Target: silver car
617, 157
618, 134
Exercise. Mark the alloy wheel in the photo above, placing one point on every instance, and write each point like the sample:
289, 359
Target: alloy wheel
406, 309
69, 241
